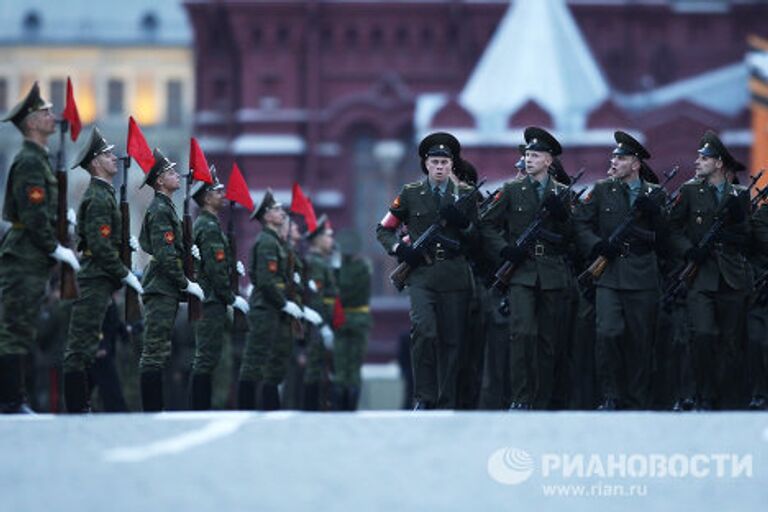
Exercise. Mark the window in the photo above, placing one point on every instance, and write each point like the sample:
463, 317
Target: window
115, 96
58, 94
173, 103
3, 94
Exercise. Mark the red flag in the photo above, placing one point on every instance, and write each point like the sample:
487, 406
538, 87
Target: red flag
198, 163
70, 113
338, 318
301, 205
138, 148
237, 188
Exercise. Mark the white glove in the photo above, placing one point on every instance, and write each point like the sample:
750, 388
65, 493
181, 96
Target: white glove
195, 251
312, 316
131, 280
133, 243
71, 221
293, 309
65, 255
194, 289
312, 285
240, 268
297, 278
327, 333
241, 304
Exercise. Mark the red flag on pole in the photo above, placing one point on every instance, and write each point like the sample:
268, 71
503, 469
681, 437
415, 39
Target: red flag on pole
198, 164
70, 113
338, 319
138, 148
301, 205
237, 188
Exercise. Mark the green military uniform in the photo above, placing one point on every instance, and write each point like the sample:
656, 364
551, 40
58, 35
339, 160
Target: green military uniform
164, 283
214, 329
439, 292
319, 277
99, 230
25, 265
717, 297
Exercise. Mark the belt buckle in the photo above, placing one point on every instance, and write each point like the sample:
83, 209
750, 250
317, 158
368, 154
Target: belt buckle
625, 249
538, 249
439, 254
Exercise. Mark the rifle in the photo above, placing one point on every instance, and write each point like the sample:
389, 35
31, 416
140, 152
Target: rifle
679, 286
534, 230
761, 290
239, 320
297, 326
132, 309
193, 303
428, 238
626, 227
69, 288
485, 204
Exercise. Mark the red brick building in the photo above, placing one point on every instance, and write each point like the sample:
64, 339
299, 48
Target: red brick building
337, 93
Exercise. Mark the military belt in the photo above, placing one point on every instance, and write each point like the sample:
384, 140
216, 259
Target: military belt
726, 248
634, 247
358, 309
18, 225
87, 252
540, 249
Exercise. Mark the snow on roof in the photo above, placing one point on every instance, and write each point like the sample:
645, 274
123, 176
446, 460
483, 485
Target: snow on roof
537, 53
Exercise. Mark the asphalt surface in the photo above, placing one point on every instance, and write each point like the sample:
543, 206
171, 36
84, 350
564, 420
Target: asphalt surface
389, 461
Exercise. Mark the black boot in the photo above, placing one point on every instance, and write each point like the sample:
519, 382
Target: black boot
12, 400
152, 391
77, 393
200, 389
338, 397
246, 395
270, 397
353, 396
609, 404
758, 403
311, 397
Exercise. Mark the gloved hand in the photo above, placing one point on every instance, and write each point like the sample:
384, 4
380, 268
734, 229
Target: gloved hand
241, 304
327, 333
556, 208
312, 316
133, 243
195, 251
297, 278
647, 206
71, 221
65, 255
454, 217
312, 285
292, 309
240, 268
514, 253
605, 249
697, 254
131, 280
194, 289
735, 210
409, 255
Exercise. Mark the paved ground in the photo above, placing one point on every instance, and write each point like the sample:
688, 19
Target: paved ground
390, 461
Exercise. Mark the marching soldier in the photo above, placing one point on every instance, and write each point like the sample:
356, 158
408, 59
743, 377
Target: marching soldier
214, 269
758, 314
626, 300
29, 248
270, 340
99, 233
164, 281
440, 282
538, 287
717, 298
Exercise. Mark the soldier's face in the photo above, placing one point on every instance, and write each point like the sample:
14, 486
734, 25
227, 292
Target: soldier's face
438, 168
106, 164
42, 121
537, 162
706, 166
169, 180
624, 167
325, 241
275, 216
215, 198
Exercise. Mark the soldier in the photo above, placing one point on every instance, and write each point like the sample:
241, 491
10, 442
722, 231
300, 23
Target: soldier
539, 284
321, 299
439, 290
214, 269
99, 232
758, 314
164, 281
717, 298
270, 340
627, 292
349, 346
29, 248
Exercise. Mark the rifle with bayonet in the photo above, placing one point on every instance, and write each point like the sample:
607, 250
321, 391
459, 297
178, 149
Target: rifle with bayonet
534, 230
132, 308
679, 286
626, 228
431, 236
194, 307
69, 289
239, 320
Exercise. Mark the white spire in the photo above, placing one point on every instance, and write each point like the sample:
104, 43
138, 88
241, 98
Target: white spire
537, 53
